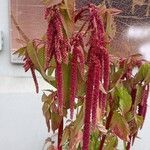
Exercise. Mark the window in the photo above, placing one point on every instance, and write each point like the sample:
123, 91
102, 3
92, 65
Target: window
29, 15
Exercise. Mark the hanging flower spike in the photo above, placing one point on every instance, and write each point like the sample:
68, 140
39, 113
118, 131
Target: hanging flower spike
35, 79
58, 55
88, 107
29, 65
59, 79
64, 50
97, 75
59, 36
73, 87
54, 36
77, 54
101, 79
49, 45
60, 133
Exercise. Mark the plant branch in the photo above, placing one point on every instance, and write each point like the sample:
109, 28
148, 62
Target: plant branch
19, 29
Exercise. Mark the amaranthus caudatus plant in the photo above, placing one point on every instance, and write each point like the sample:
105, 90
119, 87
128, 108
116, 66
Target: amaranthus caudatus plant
97, 99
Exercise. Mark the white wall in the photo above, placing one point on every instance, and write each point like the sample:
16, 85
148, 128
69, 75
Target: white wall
22, 126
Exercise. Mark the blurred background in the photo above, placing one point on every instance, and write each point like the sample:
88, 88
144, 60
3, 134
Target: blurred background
22, 125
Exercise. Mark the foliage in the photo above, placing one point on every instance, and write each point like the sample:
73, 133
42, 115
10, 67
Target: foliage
107, 96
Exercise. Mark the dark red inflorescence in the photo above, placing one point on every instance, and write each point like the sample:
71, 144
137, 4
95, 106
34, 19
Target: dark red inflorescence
98, 62
59, 79
96, 92
57, 46
88, 107
77, 58
29, 65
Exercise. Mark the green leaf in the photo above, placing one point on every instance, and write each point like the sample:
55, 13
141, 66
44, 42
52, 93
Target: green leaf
33, 55
125, 100
115, 78
139, 121
111, 27
119, 126
20, 52
52, 67
55, 121
50, 3
79, 121
66, 135
147, 78
67, 23
111, 143
143, 74
70, 6
66, 83
138, 96
41, 56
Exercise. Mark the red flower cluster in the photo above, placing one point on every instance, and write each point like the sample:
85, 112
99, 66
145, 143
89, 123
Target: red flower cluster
56, 46
98, 60
29, 65
77, 55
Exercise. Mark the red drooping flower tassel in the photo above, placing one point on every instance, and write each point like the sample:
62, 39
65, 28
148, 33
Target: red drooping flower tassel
60, 133
97, 75
59, 79
29, 65
55, 37
78, 57
73, 87
88, 106
49, 45
35, 79
58, 55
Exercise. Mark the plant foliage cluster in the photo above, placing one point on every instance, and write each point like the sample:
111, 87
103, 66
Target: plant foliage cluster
106, 96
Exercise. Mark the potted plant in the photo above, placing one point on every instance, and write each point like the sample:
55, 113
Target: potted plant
97, 99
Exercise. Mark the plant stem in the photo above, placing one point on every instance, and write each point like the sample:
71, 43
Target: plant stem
60, 132
19, 29
107, 127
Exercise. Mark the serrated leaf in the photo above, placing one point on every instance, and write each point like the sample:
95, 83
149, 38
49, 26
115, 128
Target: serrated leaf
111, 143
125, 100
20, 52
120, 127
143, 74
